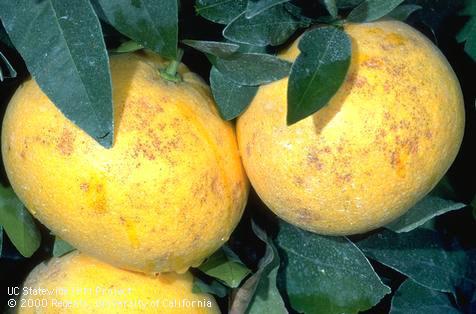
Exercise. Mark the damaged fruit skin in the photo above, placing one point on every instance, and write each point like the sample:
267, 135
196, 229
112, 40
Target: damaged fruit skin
380, 145
166, 195
76, 283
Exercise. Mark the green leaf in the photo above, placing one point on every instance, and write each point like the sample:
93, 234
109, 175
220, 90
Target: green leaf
331, 7
128, 46
220, 11
18, 223
11, 71
326, 274
216, 48
426, 209
259, 293
422, 255
271, 27
153, 24
256, 7
348, 3
4, 37
63, 48
225, 267
402, 12
412, 298
61, 247
468, 33
252, 68
214, 287
230, 97
371, 10
318, 71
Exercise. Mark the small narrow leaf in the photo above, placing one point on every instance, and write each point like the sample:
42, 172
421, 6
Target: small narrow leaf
61, 247
153, 24
225, 268
423, 211
326, 273
318, 71
253, 68
220, 11
412, 298
271, 27
18, 223
259, 293
371, 10
128, 46
214, 287
216, 48
230, 97
422, 255
256, 7
331, 7
402, 12
63, 48
11, 71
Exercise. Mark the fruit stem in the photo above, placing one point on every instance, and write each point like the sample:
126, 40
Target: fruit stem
170, 73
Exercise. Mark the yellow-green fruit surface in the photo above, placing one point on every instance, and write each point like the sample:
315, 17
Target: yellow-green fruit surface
382, 142
166, 195
76, 283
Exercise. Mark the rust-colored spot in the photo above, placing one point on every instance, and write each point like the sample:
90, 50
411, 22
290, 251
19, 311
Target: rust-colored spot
428, 134
23, 154
373, 63
398, 161
299, 181
248, 149
306, 215
392, 41
344, 178
65, 143
314, 161
84, 186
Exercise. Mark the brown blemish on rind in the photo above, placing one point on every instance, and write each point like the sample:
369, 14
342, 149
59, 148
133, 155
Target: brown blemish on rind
84, 186
65, 143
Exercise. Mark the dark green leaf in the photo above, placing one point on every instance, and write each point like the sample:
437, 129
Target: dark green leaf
331, 7
402, 12
253, 68
426, 209
326, 274
371, 10
422, 255
230, 97
272, 27
216, 48
220, 11
256, 7
153, 24
11, 71
348, 3
225, 268
214, 287
468, 32
62, 45
259, 293
412, 298
318, 72
61, 247
128, 46
4, 37
18, 223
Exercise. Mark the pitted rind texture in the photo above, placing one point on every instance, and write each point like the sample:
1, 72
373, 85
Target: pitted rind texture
76, 283
166, 195
382, 143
